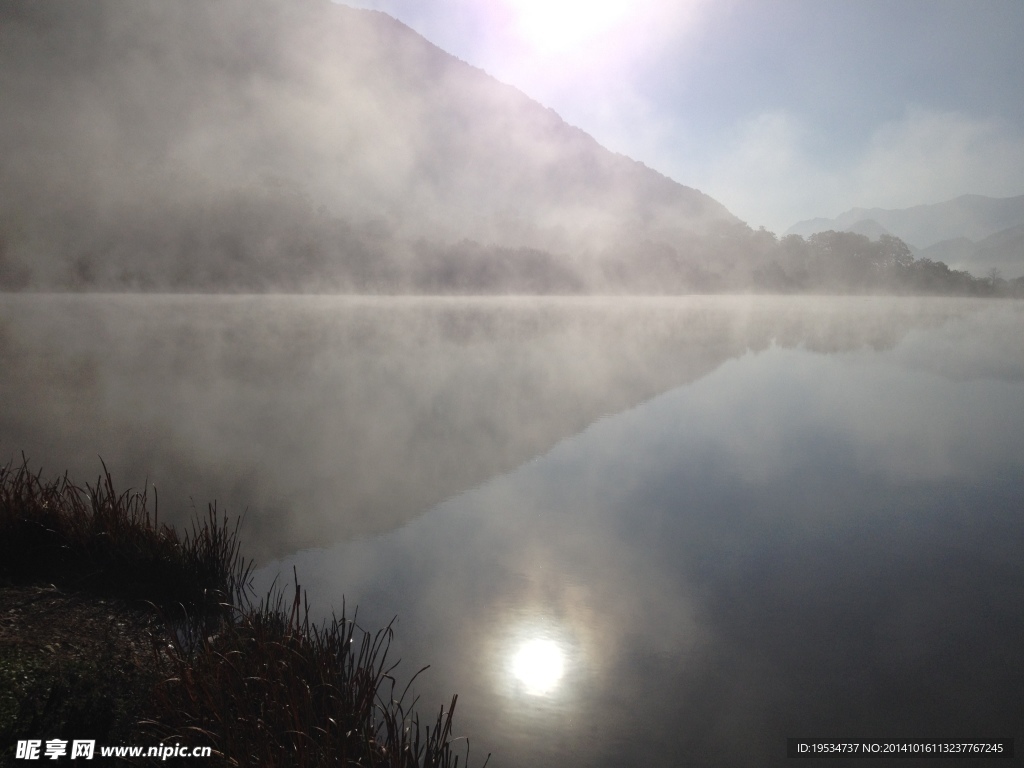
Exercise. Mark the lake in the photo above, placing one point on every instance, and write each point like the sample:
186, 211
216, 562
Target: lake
670, 531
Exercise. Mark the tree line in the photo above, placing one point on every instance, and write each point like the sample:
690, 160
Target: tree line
262, 244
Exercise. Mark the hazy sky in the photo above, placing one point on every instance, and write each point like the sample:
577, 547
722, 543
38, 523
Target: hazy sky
780, 110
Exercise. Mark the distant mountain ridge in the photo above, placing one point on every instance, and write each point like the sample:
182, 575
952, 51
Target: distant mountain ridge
972, 216
971, 232
1003, 252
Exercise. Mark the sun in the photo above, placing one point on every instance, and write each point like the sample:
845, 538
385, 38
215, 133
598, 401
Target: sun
539, 664
564, 26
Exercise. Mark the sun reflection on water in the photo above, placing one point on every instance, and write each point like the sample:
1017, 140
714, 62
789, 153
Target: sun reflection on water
539, 665
538, 658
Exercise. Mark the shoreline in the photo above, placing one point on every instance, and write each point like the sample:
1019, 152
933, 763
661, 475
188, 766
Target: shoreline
114, 627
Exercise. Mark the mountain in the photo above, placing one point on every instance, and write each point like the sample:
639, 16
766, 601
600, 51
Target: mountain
1002, 251
969, 216
304, 145
869, 228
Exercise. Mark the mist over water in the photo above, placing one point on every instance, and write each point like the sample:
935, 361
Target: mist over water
329, 417
624, 531
798, 542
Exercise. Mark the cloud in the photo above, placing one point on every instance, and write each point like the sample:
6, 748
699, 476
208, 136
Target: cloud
763, 174
932, 156
766, 172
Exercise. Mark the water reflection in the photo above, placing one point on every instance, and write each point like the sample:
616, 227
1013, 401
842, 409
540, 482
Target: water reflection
747, 518
331, 417
794, 544
538, 664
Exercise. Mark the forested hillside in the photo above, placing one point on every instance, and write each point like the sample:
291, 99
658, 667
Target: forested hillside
303, 146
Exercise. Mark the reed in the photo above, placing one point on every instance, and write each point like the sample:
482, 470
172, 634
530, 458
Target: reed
273, 688
96, 539
257, 681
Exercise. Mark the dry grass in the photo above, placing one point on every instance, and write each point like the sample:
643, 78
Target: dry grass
272, 688
95, 539
258, 682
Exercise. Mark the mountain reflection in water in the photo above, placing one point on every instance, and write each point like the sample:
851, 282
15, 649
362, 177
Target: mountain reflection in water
796, 544
330, 417
624, 531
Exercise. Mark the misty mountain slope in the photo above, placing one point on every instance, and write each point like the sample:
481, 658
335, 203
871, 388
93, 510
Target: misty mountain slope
1002, 251
267, 145
867, 227
974, 217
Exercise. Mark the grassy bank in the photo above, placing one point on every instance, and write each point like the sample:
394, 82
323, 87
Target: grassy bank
116, 628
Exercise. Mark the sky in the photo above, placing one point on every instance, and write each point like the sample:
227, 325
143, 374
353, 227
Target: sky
782, 111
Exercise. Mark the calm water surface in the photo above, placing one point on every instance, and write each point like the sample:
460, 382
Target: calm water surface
641, 532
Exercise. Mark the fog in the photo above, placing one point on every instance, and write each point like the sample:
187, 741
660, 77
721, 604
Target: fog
797, 542
329, 417
303, 146
742, 517
756, 516
253, 146
458, 363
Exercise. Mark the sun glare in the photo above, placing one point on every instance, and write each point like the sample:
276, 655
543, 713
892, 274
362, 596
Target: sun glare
538, 665
560, 26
